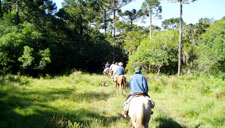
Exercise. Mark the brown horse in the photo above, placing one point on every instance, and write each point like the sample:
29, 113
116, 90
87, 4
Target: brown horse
121, 82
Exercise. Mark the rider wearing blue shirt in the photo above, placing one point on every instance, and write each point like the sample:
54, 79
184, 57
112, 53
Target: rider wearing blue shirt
120, 70
107, 65
138, 84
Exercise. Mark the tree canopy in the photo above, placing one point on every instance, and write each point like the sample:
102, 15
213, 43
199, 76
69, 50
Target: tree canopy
36, 39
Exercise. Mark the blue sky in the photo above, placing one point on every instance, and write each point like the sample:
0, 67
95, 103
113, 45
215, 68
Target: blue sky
191, 12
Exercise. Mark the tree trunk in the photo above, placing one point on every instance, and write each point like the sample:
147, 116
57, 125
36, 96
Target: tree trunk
1, 9
150, 27
17, 12
131, 24
105, 27
114, 29
180, 41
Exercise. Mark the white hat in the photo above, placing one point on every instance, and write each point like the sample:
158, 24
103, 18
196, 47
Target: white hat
120, 64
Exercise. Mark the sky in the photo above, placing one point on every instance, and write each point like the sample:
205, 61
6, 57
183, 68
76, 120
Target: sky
213, 9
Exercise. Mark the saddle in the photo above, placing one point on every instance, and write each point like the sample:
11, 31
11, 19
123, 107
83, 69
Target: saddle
141, 94
145, 94
127, 103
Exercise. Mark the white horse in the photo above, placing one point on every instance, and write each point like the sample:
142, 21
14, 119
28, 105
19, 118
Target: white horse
140, 111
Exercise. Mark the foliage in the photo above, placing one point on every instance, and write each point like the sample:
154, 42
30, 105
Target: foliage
37, 40
157, 53
45, 58
132, 16
59, 44
212, 48
171, 23
26, 58
151, 8
191, 39
133, 40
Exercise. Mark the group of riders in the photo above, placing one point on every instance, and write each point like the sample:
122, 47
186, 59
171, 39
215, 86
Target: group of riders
138, 84
114, 70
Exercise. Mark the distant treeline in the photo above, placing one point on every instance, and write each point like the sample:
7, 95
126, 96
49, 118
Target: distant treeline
203, 49
36, 39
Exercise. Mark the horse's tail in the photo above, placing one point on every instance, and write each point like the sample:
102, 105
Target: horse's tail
139, 112
139, 120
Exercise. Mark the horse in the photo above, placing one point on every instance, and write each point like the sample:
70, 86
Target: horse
107, 72
140, 111
121, 81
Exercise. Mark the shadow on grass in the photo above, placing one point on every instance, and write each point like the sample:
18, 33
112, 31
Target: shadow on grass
43, 116
22, 108
5, 80
86, 117
65, 93
168, 123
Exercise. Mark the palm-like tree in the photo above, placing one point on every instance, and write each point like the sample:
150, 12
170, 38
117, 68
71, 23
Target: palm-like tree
117, 4
150, 8
105, 6
132, 15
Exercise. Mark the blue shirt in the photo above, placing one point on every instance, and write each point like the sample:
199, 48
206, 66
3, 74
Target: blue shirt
138, 84
120, 70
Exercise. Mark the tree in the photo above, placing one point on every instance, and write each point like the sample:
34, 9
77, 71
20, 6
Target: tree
8, 5
191, 39
157, 53
171, 23
27, 57
104, 13
133, 40
151, 8
211, 55
132, 15
1, 13
180, 31
116, 4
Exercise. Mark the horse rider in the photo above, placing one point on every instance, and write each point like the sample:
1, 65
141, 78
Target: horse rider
114, 69
138, 86
111, 66
107, 66
120, 70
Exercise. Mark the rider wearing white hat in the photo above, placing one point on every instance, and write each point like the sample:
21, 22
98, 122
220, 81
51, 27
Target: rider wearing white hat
120, 70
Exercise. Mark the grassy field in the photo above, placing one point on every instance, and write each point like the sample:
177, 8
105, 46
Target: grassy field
80, 101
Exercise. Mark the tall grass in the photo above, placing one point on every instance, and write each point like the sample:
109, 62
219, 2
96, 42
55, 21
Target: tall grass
80, 101
190, 101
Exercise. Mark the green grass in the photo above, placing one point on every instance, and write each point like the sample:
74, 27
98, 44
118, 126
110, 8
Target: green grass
80, 101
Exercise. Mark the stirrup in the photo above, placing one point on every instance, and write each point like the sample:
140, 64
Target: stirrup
124, 114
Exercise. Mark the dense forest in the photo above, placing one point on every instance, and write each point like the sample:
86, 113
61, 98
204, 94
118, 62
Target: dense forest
36, 39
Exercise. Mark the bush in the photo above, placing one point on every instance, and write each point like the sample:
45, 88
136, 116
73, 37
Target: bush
158, 54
